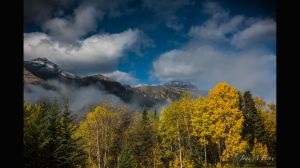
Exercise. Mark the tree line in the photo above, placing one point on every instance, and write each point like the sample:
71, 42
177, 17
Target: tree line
225, 129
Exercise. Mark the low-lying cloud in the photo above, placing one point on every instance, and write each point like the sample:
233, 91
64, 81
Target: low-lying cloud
122, 77
79, 97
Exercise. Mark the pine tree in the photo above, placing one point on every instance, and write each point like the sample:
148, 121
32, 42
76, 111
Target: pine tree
253, 124
268, 115
35, 137
69, 152
155, 114
145, 115
126, 158
54, 133
140, 137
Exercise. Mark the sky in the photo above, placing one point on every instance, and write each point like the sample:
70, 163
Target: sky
149, 42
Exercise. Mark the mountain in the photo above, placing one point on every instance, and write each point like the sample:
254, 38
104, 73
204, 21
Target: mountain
150, 95
181, 85
38, 71
45, 69
106, 84
30, 78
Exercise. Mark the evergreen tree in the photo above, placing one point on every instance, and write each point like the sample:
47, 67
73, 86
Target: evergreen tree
141, 140
54, 133
268, 114
48, 137
155, 114
145, 115
126, 158
69, 152
253, 124
35, 135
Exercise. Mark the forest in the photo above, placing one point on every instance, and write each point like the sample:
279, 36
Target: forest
228, 128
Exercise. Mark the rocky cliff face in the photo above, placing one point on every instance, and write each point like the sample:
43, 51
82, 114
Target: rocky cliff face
30, 78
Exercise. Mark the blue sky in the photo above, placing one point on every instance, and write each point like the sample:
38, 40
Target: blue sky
150, 42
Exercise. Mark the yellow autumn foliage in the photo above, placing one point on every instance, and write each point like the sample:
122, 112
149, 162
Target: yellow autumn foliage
259, 150
185, 163
99, 131
219, 120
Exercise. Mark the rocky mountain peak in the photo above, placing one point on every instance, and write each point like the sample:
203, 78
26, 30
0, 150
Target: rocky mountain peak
181, 84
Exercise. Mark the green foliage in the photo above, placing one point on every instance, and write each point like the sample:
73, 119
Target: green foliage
268, 115
126, 158
35, 137
253, 125
48, 137
140, 138
70, 150
145, 116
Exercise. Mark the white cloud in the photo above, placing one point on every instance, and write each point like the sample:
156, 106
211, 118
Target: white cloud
206, 65
218, 27
122, 77
215, 10
70, 29
215, 30
84, 19
94, 54
212, 54
260, 32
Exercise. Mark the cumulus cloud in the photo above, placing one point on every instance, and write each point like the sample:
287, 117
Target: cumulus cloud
206, 65
122, 77
260, 32
70, 21
37, 11
71, 29
214, 53
98, 53
216, 30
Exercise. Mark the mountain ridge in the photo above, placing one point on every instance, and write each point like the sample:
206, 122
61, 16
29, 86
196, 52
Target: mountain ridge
39, 70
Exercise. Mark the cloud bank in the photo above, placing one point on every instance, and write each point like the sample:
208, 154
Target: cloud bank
98, 53
73, 28
224, 48
79, 97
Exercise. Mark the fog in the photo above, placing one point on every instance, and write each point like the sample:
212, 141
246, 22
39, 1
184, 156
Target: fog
79, 97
